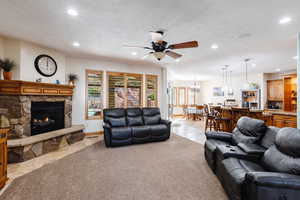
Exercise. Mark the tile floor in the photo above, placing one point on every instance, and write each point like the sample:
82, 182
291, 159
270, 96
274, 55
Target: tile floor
193, 130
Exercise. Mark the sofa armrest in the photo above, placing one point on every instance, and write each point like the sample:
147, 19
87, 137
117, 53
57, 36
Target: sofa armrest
166, 122
224, 136
252, 148
107, 134
106, 125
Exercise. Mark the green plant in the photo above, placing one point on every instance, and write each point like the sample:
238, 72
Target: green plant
73, 77
7, 65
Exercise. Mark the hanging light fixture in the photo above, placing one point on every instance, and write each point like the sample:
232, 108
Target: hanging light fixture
246, 84
225, 75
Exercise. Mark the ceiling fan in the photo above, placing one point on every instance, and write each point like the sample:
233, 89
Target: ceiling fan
160, 48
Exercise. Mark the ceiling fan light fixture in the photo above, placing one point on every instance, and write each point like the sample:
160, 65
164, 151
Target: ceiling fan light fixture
159, 55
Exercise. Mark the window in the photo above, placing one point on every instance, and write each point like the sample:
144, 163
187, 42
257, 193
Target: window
134, 83
124, 90
181, 96
151, 90
193, 96
94, 94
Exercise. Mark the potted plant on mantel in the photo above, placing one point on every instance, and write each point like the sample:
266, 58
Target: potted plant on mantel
72, 79
7, 65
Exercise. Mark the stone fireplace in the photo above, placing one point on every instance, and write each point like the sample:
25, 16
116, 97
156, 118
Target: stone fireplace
40, 118
21, 108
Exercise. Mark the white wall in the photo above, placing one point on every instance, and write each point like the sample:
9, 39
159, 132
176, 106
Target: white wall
24, 54
29, 52
78, 66
237, 85
11, 50
1, 48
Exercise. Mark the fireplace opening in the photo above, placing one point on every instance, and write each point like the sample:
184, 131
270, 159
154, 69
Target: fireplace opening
47, 116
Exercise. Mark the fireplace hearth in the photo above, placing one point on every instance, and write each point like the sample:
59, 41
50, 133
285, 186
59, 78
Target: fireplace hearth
47, 116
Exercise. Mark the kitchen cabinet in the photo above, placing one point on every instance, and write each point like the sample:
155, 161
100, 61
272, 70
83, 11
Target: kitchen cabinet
284, 120
275, 90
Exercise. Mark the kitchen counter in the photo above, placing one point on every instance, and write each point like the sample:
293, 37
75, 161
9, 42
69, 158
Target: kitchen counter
281, 112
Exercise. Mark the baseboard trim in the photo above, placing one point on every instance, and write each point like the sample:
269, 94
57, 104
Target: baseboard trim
94, 133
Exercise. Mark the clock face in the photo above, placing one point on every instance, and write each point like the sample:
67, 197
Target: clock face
45, 65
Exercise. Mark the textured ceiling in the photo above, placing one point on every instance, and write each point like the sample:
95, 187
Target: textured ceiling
241, 29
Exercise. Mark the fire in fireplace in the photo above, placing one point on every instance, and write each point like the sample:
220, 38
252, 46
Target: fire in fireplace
47, 116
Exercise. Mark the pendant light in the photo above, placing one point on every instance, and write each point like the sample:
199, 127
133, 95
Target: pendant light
246, 84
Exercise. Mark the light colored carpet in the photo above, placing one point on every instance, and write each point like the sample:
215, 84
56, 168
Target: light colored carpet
174, 169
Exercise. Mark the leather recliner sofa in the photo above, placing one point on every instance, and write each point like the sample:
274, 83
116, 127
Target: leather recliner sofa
249, 134
267, 167
275, 176
134, 126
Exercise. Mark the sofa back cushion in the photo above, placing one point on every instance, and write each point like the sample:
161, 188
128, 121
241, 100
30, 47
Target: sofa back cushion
269, 138
115, 117
284, 155
151, 116
249, 130
134, 117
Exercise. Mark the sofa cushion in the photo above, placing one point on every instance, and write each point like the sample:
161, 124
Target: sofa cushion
158, 130
276, 161
140, 131
115, 117
233, 175
151, 116
269, 138
120, 133
134, 117
288, 141
239, 137
251, 127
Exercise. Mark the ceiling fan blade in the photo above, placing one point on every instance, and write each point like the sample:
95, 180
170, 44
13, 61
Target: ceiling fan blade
173, 54
191, 44
133, 46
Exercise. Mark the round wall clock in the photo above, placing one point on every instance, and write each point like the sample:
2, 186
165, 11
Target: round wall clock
45, 65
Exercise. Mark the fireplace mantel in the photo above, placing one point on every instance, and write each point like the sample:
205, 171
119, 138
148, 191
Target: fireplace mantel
14, 87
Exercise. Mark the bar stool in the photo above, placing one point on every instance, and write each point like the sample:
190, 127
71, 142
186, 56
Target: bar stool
209, 119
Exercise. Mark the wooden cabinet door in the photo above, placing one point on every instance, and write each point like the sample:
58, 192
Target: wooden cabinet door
275, 90
3, 158
281, 121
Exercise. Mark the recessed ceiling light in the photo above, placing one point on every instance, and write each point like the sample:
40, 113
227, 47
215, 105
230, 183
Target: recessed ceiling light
295, 57
134, 53
76, 44
253, 65
285, 20
177, 60
214, 46
72, 12
277, 70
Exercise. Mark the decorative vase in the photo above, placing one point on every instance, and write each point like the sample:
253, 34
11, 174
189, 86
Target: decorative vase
7, 75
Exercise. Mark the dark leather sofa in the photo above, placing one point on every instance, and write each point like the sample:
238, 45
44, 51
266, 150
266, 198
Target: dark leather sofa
274, 174
134, 126
248, 131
